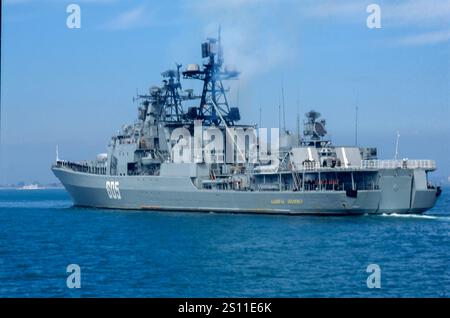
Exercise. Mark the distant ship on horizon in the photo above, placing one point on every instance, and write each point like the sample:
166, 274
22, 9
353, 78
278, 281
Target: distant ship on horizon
32, 186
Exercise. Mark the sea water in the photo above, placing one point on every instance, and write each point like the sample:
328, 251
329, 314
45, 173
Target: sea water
184, 254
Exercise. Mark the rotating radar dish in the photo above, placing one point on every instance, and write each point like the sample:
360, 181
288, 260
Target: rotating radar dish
319, 129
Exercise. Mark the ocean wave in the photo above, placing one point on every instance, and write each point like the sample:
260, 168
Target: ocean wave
52, 204
418, 216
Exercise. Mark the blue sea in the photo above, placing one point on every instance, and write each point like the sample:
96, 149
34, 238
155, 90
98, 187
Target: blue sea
171, 254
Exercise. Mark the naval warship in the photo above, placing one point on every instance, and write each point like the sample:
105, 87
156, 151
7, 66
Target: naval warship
187, 152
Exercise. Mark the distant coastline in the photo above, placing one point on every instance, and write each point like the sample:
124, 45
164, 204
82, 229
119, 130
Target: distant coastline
31, 186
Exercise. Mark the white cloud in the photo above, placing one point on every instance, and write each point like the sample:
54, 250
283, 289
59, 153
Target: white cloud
133, 18
254, 54
258, 43
251, 40
417, 17
221, 5
255, 48
13, 2
427, 21
418, 13
327, 8
434, 37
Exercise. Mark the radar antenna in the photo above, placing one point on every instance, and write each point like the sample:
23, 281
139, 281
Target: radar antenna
213, 98
313, 127
167, 98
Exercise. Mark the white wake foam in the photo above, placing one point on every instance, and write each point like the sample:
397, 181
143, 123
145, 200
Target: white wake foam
418, 216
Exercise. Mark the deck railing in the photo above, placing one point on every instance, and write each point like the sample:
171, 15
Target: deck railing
86, 167
370, 164
393, 164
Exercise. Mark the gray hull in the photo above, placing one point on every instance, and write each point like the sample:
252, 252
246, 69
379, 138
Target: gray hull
179, 194
401, 191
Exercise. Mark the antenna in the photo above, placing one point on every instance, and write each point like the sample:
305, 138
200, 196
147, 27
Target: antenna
279, 116
135, 98
237, 95
396, 145
219, 46
260, 117
298, 121
282, 100
356, 125
57, 153
178, 73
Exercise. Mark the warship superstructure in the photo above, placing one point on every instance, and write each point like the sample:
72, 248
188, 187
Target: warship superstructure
187, 152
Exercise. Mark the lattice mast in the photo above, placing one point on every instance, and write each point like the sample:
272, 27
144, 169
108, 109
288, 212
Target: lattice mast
213, 98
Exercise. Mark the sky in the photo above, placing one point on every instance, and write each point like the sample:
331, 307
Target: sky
74, 87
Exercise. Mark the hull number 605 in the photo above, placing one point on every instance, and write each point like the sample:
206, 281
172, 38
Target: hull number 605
112, 188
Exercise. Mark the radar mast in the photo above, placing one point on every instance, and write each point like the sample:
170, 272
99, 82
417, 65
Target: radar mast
213, 98
314, 128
